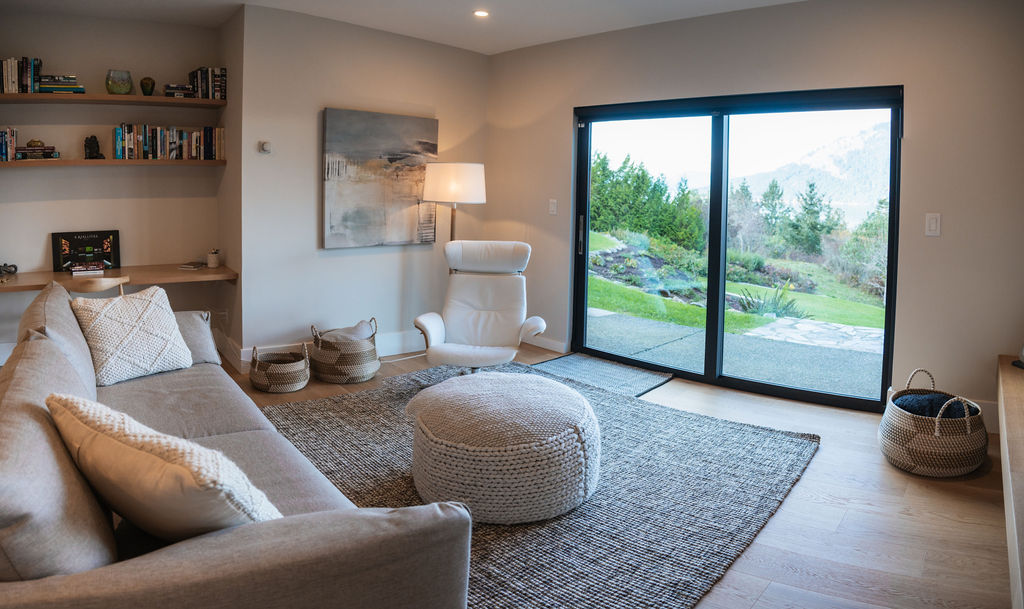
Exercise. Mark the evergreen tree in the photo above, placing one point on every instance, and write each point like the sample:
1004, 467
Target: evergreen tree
773, 208
746, 226
814, 219
691, 231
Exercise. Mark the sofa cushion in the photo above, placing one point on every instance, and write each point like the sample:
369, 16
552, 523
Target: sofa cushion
50, 521
191, 403
132, 335
50, 314
170, 487
285, 475
195, 329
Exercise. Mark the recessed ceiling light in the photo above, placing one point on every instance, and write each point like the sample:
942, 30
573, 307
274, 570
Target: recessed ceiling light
481, 13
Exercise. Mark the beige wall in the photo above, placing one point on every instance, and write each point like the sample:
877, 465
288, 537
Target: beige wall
962, 65
294, 67
165, 214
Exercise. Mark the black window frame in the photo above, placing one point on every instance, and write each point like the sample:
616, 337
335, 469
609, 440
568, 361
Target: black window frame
719, 108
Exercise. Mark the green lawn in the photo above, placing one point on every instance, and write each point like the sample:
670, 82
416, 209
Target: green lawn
604, 294
822, 307
827, 283
600, 241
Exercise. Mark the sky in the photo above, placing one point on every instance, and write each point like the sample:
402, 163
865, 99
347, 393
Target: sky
680, 147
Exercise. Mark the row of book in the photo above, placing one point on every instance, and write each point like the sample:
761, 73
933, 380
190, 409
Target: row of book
152, 142
208, 83
25, 75
8, 143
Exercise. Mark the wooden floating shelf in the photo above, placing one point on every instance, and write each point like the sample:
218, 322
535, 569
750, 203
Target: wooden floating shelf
111, 162
117, 100
151, 274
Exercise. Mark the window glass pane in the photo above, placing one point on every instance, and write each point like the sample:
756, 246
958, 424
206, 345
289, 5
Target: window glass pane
647, 259
807, 246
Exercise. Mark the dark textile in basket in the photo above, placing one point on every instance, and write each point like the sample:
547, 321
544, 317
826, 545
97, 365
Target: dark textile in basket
929, 404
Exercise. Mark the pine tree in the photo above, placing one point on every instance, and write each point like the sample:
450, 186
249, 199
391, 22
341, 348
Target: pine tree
814, 219
773, 208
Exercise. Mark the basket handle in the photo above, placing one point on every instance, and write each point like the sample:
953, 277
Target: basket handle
910, 379
967, 413
316, 334
373, 322
305, 354
254, 358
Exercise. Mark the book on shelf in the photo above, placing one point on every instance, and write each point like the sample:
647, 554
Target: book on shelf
192, 266
209, 83
20, 74
8, 143
149, 142
36, 156
87, 273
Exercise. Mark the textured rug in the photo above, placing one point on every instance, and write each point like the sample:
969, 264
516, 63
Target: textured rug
606, 374
681, 495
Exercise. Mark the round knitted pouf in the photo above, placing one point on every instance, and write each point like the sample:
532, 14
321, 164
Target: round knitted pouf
513, 447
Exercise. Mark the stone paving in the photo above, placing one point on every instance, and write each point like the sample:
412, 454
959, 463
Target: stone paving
822, 334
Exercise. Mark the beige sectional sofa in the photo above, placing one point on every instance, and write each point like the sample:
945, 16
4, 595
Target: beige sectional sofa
58, 545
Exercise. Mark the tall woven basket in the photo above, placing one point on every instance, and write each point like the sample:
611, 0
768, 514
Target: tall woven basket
932, 446
345, 361
279, 372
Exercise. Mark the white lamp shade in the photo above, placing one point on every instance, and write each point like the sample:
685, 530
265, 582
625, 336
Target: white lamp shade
461, 183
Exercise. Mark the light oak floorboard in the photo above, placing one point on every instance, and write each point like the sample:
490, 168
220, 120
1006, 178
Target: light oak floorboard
855, 532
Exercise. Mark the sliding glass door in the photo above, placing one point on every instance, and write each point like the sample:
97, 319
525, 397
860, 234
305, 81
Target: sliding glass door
747, 241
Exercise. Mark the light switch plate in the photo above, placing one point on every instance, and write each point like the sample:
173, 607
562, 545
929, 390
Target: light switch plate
553, 207
932, 225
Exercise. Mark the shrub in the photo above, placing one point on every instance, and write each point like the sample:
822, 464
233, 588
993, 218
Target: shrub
689, 261
618, 268
747, 260
597, 260
634, 280
775, 303
631, 263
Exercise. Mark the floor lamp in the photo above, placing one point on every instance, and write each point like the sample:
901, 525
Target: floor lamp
454, 184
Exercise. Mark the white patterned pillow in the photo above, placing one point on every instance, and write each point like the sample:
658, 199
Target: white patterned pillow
169, 487
132, 335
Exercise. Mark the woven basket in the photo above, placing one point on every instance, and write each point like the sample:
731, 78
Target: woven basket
345, 361
929, 446
279, 372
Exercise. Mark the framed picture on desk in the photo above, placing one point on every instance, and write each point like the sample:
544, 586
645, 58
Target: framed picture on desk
86, 250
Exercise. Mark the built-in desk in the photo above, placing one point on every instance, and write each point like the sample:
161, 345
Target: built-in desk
149, 274
1011, 454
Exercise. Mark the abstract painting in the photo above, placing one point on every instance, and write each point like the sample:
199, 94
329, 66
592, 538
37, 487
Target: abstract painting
373, 178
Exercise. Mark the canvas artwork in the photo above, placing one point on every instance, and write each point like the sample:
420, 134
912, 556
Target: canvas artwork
373, 178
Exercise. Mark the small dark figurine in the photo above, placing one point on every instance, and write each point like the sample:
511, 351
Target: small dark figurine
92, 148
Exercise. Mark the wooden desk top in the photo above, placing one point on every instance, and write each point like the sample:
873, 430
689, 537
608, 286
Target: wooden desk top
150, 274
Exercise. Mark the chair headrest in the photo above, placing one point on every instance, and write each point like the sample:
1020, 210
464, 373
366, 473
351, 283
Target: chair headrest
487, 256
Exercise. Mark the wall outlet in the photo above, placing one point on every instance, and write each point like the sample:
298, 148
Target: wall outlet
932, 225
553, 207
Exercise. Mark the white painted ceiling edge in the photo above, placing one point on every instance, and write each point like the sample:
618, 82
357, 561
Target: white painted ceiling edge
512, 24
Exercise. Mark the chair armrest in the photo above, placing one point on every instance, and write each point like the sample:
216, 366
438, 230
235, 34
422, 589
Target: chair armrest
532, 327
432, 327
373, 557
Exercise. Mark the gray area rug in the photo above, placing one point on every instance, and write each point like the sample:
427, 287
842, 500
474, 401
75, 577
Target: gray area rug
681, 495
606, 374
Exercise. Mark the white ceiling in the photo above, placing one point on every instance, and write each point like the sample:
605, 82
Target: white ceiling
513, 24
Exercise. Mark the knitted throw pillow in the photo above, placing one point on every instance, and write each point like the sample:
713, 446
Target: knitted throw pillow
169, 487
132, 335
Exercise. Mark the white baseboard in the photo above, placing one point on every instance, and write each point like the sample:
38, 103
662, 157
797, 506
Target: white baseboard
5, 351
548, 343
390, 343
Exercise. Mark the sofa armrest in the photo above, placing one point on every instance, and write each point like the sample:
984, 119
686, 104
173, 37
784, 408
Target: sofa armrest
432, 327
373, 557
532, 327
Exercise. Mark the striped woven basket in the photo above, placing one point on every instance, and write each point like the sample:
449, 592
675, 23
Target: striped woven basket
345, 361
932, 446
279, 372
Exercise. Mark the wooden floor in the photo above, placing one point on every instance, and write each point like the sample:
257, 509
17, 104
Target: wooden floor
855, 533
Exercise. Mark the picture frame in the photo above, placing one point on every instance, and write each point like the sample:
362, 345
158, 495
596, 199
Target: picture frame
86, 250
